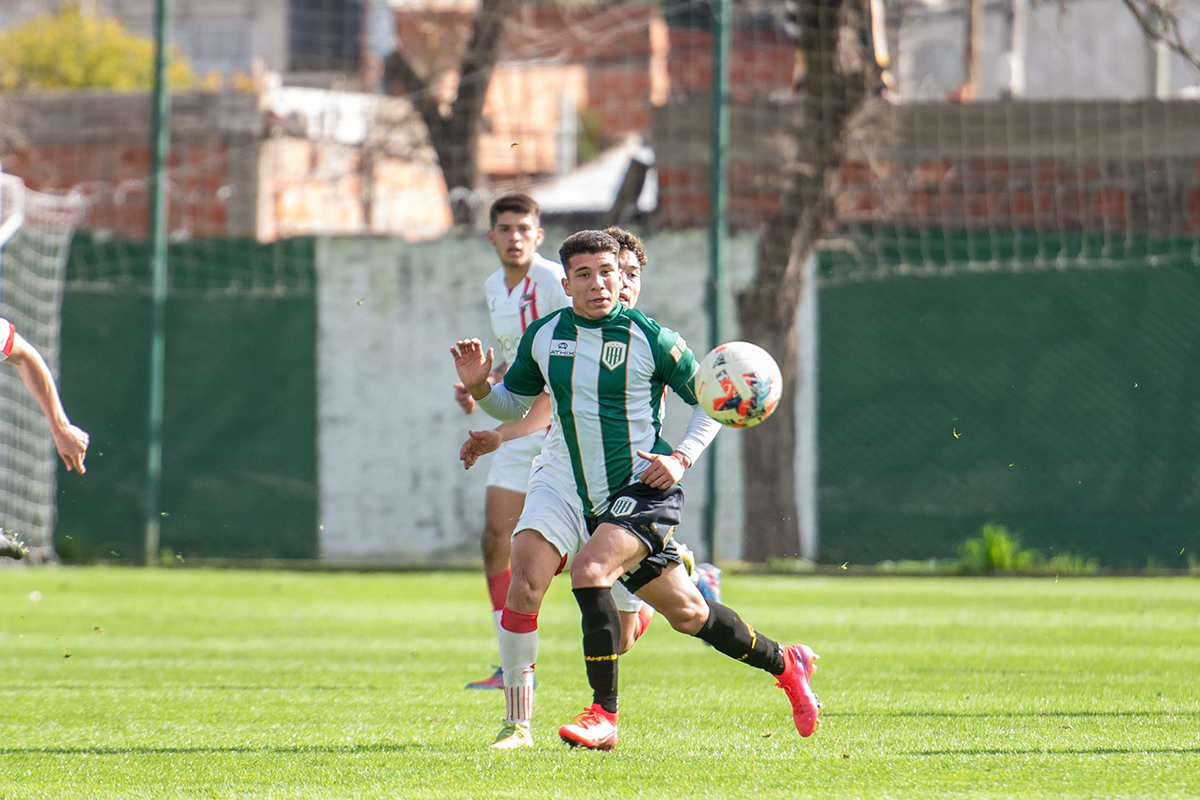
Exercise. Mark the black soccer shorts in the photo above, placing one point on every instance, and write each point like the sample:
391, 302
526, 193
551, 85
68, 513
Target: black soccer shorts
651, 515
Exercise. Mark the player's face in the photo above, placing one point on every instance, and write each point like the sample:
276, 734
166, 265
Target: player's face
631, 273
593, 283
516, 238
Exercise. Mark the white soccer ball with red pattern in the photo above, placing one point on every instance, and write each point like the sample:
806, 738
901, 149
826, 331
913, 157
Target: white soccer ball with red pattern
738, 384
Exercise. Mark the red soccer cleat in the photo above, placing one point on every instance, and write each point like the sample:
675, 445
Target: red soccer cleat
799, 665
595, 729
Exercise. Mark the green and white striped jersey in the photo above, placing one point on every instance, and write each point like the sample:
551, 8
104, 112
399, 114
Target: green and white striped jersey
607, 380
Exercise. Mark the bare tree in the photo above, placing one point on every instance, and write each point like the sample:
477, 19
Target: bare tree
454, 126
1159, 21
840, 75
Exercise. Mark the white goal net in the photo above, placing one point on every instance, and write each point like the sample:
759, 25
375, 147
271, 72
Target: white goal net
35, 236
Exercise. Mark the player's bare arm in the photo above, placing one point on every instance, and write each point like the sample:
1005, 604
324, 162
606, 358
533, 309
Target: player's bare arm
70, 440
473, 365
480, 443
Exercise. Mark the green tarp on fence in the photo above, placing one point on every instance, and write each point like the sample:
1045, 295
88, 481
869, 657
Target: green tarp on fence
239, 454
1063, 404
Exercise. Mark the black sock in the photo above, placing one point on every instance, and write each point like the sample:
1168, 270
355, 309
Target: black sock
601, 640
727, 633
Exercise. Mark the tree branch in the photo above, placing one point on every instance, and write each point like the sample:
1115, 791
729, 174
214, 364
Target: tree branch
398, 69
1175, 42
483, 52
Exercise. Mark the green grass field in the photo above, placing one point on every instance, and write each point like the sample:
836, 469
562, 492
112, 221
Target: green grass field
125, 682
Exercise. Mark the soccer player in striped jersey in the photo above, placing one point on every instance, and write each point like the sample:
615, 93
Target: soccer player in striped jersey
634, 615
524, 288
70, 441
607, 472
632, 260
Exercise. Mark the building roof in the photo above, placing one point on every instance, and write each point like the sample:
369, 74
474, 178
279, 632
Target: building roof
593, 187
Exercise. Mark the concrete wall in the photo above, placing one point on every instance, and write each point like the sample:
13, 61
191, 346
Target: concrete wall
391, 486
1080, 49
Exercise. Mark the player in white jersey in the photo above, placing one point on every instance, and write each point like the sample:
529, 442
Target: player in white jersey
607, 369
524, 288
70, 441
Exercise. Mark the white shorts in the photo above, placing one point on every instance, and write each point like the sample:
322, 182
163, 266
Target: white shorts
553, 509
510, 462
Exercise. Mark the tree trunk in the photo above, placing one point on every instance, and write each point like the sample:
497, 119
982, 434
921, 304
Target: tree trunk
454, 134
837, 82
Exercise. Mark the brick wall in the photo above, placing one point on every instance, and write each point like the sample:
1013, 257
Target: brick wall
234, 168
760, 62
1081, 166
97, 143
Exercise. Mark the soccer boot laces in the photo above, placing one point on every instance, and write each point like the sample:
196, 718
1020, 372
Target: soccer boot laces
594, 729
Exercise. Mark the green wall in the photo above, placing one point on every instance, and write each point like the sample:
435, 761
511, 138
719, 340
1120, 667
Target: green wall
239, 452
1075, 394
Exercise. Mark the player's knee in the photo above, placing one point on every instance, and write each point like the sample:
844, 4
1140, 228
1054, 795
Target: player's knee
589, 573
524, 595
494, 540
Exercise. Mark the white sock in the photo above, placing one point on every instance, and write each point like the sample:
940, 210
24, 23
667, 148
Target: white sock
499, 612
518, 654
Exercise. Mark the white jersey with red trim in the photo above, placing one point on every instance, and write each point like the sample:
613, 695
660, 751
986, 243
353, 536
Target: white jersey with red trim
539, 294
8, 335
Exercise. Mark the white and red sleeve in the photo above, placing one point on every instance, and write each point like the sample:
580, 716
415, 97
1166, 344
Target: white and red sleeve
9, 332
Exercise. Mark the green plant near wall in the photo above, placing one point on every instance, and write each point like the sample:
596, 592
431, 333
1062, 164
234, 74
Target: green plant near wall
996, 550
1072, 564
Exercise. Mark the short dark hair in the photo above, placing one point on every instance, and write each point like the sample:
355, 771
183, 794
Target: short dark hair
628, 241
516, 203
587, 242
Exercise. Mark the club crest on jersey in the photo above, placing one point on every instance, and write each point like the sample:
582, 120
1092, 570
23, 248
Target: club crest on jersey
612, 355
623, 507
562, 347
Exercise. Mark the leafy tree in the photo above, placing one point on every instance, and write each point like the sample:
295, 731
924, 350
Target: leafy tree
73, 50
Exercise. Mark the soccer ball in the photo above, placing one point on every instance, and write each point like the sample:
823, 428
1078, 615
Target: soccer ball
738, 384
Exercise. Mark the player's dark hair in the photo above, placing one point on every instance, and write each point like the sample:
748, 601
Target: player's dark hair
516, 203
587, 242
628, 241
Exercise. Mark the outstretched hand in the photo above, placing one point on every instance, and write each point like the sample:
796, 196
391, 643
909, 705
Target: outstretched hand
664, 471
478, 443
473, 365
72, 445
